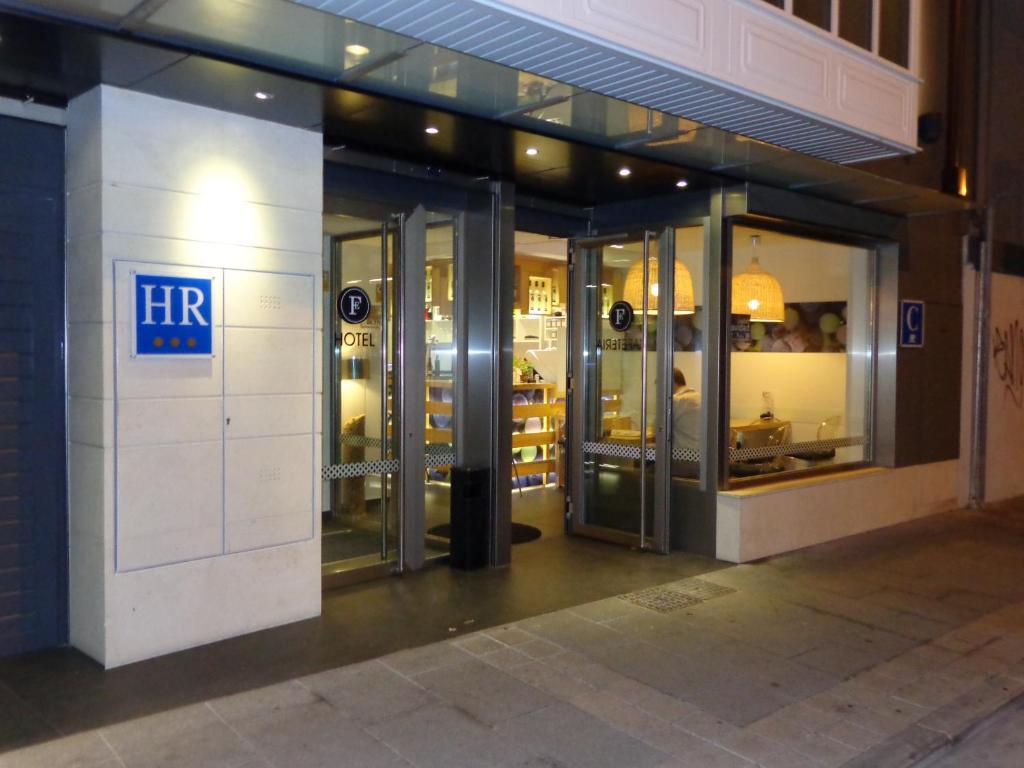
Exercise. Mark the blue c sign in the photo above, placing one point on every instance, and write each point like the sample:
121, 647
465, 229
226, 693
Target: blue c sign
911, 323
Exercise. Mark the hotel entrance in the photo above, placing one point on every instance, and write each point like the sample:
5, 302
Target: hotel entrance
611, 333
396, 369
637, 412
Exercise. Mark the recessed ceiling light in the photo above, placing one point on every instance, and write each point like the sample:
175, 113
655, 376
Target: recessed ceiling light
263, 95
357, 50
682, 183
432, 130
532, 151
618, 246
624, 171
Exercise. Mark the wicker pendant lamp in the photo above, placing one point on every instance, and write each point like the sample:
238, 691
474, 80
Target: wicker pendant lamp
757, 293
633, 291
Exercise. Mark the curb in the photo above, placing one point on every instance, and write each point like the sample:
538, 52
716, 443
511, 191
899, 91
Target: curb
944, 728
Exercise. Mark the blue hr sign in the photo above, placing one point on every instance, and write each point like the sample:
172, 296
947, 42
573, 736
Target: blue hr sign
173, 315
911, 323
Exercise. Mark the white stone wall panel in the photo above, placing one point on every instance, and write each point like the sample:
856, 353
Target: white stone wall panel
170, 505
172, 188
269, 486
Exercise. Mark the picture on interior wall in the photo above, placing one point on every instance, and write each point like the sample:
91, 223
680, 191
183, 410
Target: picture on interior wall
687, 335
811, 326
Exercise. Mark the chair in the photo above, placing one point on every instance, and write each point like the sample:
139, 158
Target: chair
828, 429
779, 435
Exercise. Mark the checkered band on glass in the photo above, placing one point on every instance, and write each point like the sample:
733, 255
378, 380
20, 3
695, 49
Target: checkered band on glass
685, 454
788, 449
438, 455
359, 469
361, 441
618, 450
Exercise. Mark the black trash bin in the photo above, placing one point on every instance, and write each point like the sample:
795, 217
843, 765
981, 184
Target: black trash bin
470, 517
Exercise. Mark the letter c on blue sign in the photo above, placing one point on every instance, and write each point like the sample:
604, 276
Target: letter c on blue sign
913, 318
353, 305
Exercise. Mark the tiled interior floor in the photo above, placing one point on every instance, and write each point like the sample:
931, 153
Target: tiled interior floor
868, 652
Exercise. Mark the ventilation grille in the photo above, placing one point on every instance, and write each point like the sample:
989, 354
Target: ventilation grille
526, 45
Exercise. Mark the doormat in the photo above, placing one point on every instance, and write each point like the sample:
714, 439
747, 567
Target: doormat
677, 595
521, 533
660, 599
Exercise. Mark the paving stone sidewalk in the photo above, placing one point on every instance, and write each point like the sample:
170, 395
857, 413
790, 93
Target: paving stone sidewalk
872, 652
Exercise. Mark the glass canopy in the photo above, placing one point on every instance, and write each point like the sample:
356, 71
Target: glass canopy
298, 40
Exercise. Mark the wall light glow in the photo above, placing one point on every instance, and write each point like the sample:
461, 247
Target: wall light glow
221, 211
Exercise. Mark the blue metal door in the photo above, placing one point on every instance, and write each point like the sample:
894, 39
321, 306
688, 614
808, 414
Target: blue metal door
33, 509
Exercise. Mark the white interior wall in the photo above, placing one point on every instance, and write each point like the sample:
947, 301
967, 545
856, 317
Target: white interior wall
808, 270
182, 188
807, 388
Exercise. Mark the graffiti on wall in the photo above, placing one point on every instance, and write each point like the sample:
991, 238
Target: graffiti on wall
1008, 357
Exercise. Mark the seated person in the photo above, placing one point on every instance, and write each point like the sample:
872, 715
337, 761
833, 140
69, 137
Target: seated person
686, 424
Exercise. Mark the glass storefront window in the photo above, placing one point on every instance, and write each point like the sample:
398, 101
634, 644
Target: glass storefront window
800, 341
817, 12
894, 31
855, 19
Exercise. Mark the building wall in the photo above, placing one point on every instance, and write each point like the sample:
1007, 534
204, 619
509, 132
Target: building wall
33, 490
1002, 155
193, 483
1005, 435
928, 379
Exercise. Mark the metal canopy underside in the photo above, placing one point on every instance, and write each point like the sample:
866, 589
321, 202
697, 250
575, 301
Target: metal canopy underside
374, 90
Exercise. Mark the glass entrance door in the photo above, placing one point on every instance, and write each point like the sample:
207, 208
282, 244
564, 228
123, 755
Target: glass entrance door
620, 437
361, 520
393, 389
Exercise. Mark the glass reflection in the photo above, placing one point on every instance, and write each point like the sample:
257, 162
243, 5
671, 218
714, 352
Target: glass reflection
439, 308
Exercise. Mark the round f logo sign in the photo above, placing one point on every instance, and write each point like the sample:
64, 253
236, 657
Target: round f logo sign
620, 315
354, 305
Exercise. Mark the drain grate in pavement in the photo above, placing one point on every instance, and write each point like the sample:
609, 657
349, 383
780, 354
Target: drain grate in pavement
677, 595
699, 589
660, 599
